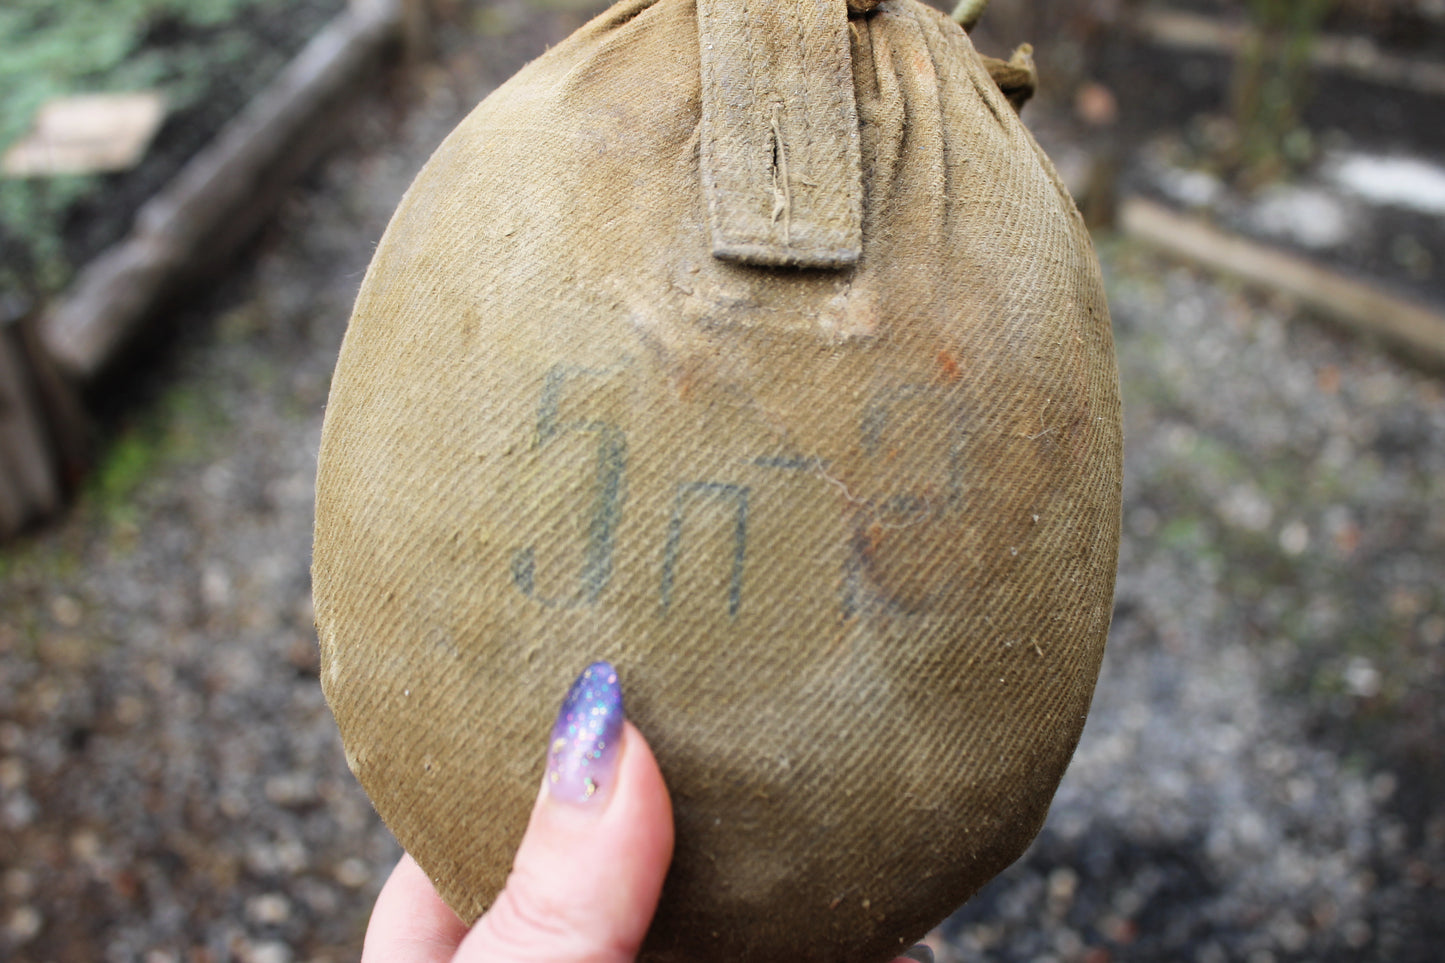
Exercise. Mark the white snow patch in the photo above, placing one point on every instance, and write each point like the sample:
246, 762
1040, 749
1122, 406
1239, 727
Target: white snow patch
1401, 181
1310, 217
1190, 188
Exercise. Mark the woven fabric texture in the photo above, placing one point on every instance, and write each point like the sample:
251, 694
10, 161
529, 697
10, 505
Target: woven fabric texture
849, 535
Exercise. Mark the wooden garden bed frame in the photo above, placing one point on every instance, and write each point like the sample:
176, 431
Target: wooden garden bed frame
190, 230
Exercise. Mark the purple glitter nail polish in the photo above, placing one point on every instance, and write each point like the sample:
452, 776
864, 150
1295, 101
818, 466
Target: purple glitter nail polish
582, 755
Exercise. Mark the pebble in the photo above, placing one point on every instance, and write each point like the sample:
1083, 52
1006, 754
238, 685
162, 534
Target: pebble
291, 789
267, 952
12, 773
270, 909
18, 811
66, 611
1062, 883
353, 873
24, 924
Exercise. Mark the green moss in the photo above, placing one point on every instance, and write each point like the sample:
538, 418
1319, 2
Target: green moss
33, 561
130, 459
181, 428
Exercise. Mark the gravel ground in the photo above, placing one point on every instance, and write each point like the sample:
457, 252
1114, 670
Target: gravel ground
1260, 778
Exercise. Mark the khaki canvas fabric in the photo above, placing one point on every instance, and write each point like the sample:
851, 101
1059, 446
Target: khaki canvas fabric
848, 533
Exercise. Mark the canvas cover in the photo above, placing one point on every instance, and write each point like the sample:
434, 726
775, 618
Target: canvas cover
754, 346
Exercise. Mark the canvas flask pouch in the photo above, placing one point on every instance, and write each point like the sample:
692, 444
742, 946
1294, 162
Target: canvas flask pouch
756, 348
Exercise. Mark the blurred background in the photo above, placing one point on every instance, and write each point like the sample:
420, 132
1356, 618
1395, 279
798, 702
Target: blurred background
1261, 778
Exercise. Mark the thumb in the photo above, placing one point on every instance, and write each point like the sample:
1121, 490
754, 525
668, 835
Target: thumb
589, 872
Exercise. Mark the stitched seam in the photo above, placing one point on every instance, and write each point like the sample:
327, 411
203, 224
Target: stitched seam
750, 111
843, 88
708, 148
809, 165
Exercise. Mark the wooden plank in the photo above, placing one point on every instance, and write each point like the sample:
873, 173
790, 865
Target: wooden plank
416, 30
223, 195
1354, 56
67, 423
1413, 329
29, 485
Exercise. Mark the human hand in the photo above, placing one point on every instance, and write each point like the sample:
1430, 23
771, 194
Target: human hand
588, 874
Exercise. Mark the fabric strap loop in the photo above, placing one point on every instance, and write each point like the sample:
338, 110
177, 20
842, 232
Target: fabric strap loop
780, 153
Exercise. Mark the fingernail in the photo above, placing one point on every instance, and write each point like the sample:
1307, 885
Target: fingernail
582, 756
922, 953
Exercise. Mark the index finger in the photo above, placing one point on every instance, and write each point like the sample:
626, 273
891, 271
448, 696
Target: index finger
410, 923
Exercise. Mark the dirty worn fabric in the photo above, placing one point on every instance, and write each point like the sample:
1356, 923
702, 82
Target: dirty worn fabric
848, 533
